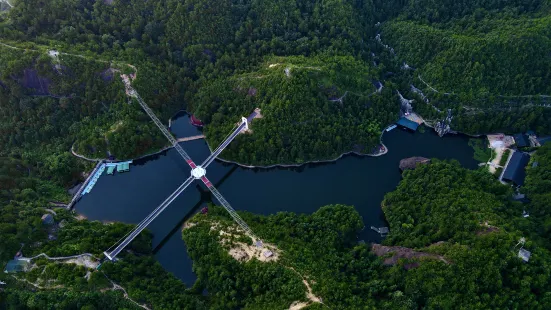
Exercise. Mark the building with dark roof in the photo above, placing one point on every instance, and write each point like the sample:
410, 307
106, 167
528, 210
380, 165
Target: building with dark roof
408, 124
514, 172
521, 140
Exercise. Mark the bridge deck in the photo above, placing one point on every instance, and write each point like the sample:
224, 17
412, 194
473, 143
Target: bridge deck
190, 138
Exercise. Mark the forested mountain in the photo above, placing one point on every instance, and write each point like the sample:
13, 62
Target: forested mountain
313, 68
538, 190
487, 61
458, 228
471, 220
322, 105
49, 102
489, 65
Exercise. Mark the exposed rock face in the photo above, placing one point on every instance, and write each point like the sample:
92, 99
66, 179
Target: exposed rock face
443, 127
399, 252
412, 162
37, 83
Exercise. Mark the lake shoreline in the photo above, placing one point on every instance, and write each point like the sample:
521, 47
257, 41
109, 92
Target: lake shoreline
326, 161
312, 162
128, 198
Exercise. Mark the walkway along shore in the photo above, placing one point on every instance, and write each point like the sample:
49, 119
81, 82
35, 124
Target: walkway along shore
283, 165
253, 167
308, 162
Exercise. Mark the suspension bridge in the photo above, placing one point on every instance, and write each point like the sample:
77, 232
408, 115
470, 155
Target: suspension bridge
198, 172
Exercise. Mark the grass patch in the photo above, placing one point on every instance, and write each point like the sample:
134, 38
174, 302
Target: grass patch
482, 152
504, 157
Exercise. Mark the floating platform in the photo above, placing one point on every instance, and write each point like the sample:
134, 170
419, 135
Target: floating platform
120, 167
111, 169
124, 167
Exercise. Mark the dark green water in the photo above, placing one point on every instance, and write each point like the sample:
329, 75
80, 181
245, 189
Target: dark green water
358, 181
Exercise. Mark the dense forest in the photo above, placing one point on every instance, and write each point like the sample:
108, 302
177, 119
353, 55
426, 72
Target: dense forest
471, 220
486, 61
313, 69
24, 199
463, 222
490, 67
538, 189
322, 105
52, 103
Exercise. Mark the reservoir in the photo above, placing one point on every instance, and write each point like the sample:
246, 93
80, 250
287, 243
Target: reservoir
352, 180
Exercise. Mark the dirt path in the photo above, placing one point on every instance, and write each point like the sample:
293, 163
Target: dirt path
58, 204
38, 285
84, 157
87, 260
117, 287
244, 252
8, 3
297, 305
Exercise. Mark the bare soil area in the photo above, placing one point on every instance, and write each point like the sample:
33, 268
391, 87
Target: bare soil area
395, 253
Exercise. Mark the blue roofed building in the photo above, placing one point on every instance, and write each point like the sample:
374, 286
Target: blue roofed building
407, 124
515, 170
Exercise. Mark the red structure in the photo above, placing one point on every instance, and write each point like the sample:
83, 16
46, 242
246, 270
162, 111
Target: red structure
195, 121
191, 164
206, 181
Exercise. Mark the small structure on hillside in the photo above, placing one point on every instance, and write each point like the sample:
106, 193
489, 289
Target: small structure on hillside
514, 172
412, 162
195, 121
524, 254
407, 124
521, 140
17, 265
47, 219
63, 223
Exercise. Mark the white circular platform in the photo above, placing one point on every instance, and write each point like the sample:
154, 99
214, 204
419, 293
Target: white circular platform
198, 172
